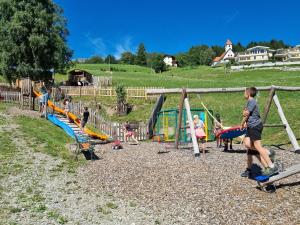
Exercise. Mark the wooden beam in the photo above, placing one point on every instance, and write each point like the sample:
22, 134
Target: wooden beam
153, 118
217, 90
285, 122
181, 103
268, 104
286, 173
192, 128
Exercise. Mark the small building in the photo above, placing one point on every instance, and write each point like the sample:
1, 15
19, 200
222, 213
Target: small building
288, 55
170, 60
79, 77
255, 55
225, 57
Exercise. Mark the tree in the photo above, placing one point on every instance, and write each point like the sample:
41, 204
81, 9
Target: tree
141, 56
200, 55
182, 59
157, 63
128, 58
217, 49
32, 39
110, 59
121, 99
238, 47
94, 60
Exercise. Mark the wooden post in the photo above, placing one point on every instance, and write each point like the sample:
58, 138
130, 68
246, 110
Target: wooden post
181, 103
287, 126
268, 104
192, 128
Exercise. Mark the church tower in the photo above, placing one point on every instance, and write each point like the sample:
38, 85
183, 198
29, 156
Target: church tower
228, 45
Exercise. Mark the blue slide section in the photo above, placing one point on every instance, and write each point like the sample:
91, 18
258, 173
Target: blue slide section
65, 127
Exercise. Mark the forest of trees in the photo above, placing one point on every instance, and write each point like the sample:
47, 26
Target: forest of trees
196, 55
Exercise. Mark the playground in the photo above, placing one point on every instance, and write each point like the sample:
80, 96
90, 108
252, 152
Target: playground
166, 180
135, 185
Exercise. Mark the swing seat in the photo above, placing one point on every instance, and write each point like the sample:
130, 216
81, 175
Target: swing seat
232, 132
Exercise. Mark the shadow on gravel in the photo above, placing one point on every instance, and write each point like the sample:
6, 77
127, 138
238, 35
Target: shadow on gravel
288, 185
163, 152
90, 156
255, 171
238, 151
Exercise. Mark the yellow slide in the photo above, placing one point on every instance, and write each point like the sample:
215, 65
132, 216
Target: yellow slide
75, 119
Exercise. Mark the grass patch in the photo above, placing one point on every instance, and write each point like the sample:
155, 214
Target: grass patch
47, 138
111, 205
56, 216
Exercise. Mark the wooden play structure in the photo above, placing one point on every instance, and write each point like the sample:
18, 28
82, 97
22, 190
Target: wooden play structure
272, 97
265, 183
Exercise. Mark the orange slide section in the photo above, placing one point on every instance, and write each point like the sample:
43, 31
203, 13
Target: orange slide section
75, 119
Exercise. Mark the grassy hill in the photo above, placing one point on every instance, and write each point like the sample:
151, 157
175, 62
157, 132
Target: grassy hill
228, 105
202, 76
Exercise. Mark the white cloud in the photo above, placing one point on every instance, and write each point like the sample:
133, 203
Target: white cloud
103, 48
124, 46
99, 47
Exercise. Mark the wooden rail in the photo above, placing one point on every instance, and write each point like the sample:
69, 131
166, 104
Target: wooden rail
131, 92
216, 90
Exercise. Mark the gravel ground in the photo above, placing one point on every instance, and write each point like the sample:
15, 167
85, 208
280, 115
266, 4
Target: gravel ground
177, 188
139, 185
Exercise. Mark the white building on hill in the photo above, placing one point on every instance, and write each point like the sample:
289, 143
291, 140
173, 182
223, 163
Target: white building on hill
225, 57
254, 55
170, 60
288, 55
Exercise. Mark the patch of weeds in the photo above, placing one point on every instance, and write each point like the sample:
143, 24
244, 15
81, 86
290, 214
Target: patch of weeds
110, 194
157, 221
29, 190
15, 210
37, 198
22, 197
103, 210
40, 208
56, 216
111, 205
132, 204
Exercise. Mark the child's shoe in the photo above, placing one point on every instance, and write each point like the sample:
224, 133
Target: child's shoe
246, 173
270, 171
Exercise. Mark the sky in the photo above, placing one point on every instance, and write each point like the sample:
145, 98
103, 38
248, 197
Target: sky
102, 27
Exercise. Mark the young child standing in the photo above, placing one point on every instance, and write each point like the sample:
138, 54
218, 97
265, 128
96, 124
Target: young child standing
85, 117
45, 99
217, 129
251, 121
199, 130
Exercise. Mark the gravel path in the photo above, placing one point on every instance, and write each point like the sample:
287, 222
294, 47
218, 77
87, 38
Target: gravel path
138, 185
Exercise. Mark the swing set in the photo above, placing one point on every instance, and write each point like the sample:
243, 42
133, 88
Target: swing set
167, 122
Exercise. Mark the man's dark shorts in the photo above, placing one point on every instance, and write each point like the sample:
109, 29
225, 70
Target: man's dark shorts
254, 133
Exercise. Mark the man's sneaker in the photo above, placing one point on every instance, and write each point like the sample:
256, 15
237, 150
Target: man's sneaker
246, 173
270, 171
272, 155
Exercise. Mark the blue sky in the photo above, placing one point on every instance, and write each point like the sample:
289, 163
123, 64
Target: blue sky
99, 27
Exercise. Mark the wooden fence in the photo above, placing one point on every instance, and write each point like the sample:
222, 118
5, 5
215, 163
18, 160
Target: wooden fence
10, 97
132, 92
112, 129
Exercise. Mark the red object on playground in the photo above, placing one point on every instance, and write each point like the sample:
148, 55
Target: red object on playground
232, 132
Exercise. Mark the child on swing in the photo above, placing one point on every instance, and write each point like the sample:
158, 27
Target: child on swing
251, 121
199, 130
129, 133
